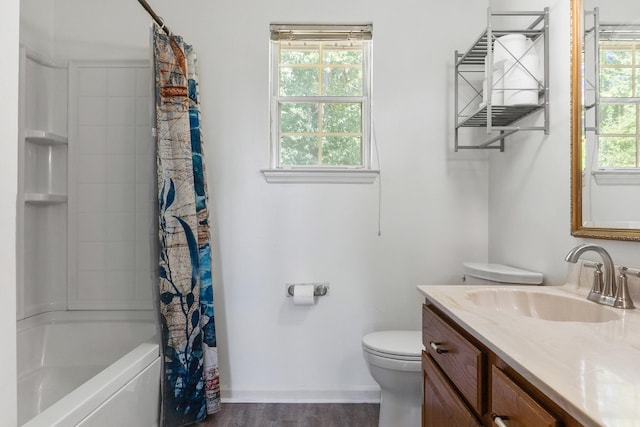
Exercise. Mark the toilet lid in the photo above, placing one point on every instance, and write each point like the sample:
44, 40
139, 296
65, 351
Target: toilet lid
398, 343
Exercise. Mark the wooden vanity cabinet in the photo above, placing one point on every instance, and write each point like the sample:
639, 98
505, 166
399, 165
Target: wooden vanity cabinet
510, 401
442, 405
460, 360
467, 385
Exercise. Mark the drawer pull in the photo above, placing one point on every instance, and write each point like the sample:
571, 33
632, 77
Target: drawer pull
437, 348
499, 419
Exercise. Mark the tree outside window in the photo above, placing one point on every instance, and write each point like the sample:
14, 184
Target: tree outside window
619, 135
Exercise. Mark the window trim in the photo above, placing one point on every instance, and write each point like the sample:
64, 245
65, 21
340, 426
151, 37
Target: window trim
277, 173
328, 175
612, 175
617, 176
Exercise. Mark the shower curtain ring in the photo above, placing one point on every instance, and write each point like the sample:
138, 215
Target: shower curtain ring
163, 27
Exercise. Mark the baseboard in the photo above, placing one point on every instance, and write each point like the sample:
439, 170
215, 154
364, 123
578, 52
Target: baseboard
364, 394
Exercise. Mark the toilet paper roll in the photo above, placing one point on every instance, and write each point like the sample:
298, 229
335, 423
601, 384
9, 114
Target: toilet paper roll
520, 97
303, 294
522, 78
497, 92
485, 96
507, 47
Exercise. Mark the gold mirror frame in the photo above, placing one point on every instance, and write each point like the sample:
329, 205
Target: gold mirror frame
577, 52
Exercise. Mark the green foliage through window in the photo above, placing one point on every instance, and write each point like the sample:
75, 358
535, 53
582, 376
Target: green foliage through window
321, 103
619, 134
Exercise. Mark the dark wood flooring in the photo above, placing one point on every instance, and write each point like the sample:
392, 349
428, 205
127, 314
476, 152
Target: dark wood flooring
294, 415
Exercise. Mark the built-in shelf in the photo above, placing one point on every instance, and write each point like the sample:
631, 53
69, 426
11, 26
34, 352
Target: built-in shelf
42, 137
44, 198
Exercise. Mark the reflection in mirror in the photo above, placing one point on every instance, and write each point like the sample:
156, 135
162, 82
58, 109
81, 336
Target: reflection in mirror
606, 119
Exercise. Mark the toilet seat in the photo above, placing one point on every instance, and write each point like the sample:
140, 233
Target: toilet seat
397, 345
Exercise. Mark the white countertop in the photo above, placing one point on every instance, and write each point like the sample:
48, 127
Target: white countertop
590, 369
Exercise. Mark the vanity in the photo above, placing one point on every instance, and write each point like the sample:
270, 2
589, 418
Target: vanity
529, 356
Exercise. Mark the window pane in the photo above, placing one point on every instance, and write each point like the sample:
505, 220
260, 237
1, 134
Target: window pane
298, 117
312, 131
615, 57
616, 82
342, 118
299, 150
299, 56
342, 150
339, 81
617, 152
618, 118
351, 57
299, 81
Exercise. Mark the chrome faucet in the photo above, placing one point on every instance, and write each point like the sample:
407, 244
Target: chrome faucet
607, 296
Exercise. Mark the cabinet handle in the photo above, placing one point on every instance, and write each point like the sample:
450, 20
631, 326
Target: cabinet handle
437, 348
498, 419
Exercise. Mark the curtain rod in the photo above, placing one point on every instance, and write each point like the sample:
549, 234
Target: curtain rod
155, 16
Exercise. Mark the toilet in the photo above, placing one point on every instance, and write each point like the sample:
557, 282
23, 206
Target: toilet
394, 361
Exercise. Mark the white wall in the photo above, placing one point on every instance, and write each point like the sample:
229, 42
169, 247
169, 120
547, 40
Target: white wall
36, 26
9, 32
529, 195
434, 212
434, 202
104, 30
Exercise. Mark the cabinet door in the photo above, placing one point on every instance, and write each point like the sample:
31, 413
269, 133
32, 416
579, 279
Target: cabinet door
442, 405
514, 406
459, 359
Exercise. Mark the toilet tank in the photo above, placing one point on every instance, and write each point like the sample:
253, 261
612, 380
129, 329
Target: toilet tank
478, 273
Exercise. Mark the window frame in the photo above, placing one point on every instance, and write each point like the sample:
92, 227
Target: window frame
320, 173
632, 46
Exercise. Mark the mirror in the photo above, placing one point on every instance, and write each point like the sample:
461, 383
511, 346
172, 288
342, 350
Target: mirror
605, 113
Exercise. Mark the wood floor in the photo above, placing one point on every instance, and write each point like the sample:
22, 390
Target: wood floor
294, 415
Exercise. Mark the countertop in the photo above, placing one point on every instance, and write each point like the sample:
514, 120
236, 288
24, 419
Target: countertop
591, 369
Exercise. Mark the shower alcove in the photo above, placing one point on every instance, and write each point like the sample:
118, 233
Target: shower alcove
85, 328
85, 186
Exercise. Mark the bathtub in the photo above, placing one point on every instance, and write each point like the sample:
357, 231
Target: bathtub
88, 368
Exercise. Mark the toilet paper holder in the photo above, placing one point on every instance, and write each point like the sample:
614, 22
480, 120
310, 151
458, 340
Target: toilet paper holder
319, 289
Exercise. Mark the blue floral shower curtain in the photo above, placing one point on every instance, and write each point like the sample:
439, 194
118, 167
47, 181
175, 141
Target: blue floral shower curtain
190, 384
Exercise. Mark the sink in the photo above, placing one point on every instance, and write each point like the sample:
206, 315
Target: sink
542, 305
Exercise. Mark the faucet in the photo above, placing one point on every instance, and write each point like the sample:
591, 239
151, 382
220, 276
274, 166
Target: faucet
607, 296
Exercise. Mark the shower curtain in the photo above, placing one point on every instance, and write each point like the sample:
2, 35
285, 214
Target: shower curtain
190, 383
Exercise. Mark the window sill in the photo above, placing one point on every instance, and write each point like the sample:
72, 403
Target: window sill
629, 176
320, 176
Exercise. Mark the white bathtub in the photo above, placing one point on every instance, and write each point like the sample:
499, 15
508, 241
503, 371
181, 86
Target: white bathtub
88, 368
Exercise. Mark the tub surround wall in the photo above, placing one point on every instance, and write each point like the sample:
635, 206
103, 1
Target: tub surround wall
9, 33
111, 205
102, 178
42, 198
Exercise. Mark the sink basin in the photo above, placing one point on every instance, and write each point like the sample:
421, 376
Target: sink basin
542, 305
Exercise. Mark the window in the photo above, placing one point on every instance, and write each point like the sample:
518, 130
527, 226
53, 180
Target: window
320, 103
619, 133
